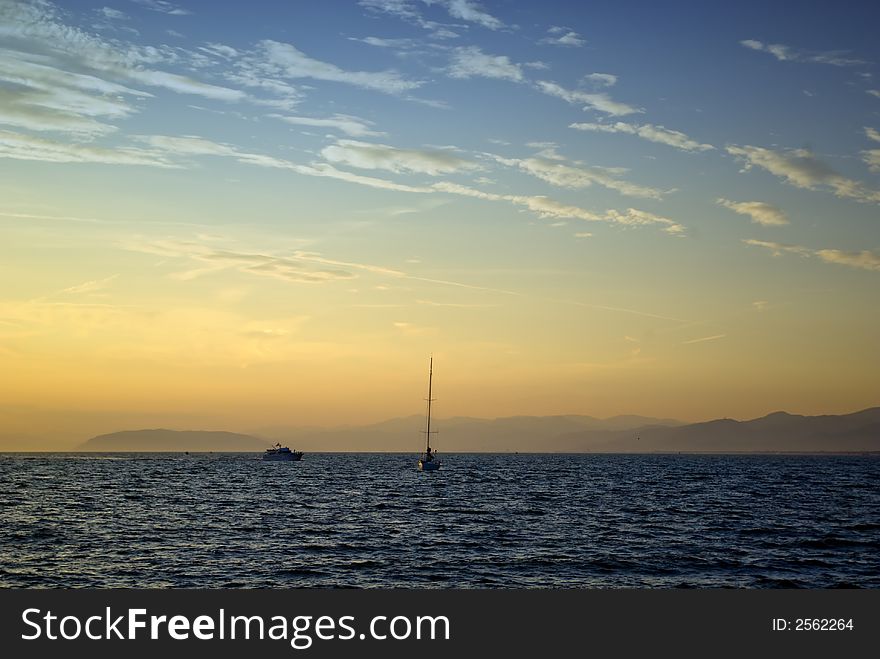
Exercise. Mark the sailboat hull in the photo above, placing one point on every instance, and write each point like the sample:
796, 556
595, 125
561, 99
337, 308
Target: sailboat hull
433, 465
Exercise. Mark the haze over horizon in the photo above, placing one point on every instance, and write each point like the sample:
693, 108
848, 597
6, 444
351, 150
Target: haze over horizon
230, 216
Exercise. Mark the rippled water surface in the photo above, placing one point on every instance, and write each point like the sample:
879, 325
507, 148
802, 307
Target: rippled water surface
373, 520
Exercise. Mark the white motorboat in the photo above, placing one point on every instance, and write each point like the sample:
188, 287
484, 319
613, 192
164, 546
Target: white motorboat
280, 453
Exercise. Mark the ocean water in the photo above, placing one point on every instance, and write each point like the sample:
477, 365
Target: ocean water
483, 521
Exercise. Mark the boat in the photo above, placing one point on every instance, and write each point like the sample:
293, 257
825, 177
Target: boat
429, 460
280, 453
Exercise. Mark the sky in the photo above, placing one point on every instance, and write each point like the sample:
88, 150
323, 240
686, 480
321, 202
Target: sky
229, 215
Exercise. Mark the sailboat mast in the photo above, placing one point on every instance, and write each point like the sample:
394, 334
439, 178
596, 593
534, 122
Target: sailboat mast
428, 421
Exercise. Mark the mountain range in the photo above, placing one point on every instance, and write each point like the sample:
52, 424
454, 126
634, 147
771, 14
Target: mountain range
777, 432
173, 440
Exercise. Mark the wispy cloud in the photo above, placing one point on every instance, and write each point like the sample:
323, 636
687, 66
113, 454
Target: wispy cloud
220, 50
563, 36
400, 8
277, 59
407, 10
185, 85
633, 312
197, 146
471, 62
862, 260
173, 151
552, 170
760, 212
380, 42
874, 92
800, 168
28, 147
787, 54
872, 156
347, 124
365, 155
473, 12
89, 287
298, 267
600, 102
112, 14
38, 96
548, 208
649, 132
778, 249
635, 217
455, 305
57, 77
704, 339
32, 109
163, 7
55, 218
601, 79
294, 266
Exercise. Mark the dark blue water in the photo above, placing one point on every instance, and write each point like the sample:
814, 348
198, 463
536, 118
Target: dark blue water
373, 520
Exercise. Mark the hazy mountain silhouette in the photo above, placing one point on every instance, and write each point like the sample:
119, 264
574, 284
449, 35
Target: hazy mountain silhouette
777, 432
780, 431
518, 433
173, 440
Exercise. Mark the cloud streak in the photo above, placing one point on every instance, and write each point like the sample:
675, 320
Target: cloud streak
365, 155
90, 286
276, 59
761, 213
861, 260
551, 170
800, 168
704, 339
470, 11
163, 7
787, 54
548, 208
648, 132
563, 36
598, 101
471, 62
342, 122
871, 157
55, 77
18, 146
465, 10
298, 267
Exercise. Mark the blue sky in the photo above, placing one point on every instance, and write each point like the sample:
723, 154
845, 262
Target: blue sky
625, 200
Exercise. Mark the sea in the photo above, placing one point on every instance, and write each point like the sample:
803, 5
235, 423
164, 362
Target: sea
484, 521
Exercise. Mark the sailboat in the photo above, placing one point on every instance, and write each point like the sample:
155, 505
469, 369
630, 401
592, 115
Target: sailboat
429, 460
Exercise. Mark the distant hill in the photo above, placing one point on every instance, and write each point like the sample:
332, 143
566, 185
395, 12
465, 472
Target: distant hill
777, 432
173, 440
518, 433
